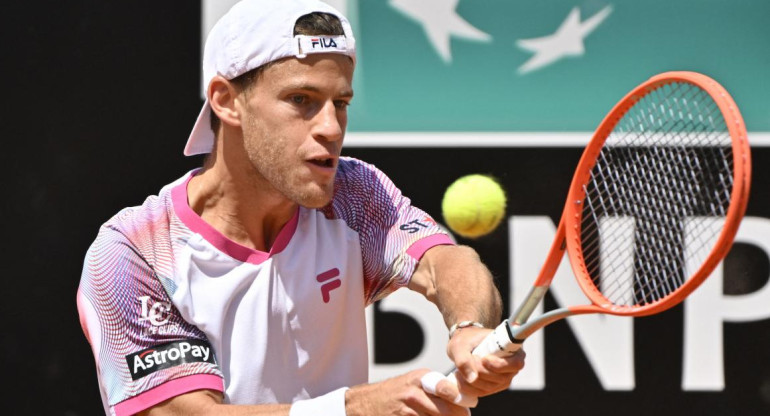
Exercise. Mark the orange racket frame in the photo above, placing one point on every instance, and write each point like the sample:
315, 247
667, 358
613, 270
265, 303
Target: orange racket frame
509, 335
568, 232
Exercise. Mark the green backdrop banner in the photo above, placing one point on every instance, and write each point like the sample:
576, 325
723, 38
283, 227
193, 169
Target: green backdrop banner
557, 65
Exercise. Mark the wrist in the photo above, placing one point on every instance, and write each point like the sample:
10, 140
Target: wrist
360, 399
463, 324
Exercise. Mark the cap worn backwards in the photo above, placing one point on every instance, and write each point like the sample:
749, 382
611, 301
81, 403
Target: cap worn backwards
253, 33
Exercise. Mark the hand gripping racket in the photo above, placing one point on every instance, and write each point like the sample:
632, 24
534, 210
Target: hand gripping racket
653, 207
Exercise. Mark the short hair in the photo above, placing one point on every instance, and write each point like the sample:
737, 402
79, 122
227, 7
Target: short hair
313, 24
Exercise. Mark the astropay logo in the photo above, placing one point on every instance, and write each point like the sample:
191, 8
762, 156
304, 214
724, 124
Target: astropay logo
168, 355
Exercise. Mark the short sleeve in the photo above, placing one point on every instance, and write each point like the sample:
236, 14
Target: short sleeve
145, 352
393, 233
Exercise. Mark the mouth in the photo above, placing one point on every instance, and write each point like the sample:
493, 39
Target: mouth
323, 162
324, 165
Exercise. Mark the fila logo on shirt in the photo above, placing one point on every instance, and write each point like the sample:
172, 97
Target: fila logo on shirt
145, 362
328, 283
323, 43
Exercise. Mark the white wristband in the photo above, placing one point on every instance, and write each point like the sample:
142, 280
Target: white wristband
330, 404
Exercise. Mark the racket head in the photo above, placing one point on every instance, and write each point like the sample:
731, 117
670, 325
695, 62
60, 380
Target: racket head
669, 163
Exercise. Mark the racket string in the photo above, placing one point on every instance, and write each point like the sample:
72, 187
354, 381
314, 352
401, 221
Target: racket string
653, 203
663, 261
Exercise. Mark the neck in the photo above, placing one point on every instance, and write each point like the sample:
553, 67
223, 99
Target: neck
244, 209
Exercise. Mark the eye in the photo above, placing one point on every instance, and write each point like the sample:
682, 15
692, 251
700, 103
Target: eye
298, 99
341, 104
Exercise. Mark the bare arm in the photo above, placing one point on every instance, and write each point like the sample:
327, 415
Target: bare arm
461, 286
398, 395
209, 402
455, 279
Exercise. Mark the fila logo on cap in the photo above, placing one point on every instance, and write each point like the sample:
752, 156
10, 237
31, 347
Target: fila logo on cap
328, 284
323, 42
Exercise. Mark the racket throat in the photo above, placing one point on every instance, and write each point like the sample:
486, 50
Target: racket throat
524, 311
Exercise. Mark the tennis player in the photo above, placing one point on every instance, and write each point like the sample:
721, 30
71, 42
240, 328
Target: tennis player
240, 288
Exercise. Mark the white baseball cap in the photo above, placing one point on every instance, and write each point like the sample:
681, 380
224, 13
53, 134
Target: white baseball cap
253, 33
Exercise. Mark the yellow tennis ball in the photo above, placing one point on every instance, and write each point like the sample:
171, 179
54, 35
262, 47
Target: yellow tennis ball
473, 205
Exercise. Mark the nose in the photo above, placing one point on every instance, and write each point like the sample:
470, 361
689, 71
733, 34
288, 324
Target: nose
329, 123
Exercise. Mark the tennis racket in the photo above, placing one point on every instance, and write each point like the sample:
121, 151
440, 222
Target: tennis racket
653, 206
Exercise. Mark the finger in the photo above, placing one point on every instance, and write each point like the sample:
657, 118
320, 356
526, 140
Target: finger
486, 384
445, 403
447, 407
470, 390
444, 387
449, 391
485, 387
467, 366
487, 381
496, 372
459, 350
428, 404
502, 365
431, 380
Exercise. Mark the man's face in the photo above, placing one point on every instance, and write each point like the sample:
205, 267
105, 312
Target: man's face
294, 120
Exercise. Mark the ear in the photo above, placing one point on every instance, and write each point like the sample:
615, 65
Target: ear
222, 98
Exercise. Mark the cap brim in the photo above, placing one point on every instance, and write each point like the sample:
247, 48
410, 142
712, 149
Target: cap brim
202, 137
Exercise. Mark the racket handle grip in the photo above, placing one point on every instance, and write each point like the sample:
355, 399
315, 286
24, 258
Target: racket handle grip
500, 343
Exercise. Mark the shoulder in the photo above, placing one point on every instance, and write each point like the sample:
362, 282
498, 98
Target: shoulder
352, 169
361, 189
143, 230
140, 223
355, 177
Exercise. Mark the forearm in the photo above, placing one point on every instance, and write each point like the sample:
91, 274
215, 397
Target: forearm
220, 410
398, 395
209, 402
249, 410
455, 279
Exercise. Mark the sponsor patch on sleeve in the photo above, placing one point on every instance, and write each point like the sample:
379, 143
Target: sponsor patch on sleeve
169, 355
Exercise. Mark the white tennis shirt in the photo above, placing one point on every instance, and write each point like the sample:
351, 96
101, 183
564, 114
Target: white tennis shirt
170, 305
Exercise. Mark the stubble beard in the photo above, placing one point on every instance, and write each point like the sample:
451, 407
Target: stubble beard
281, 171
